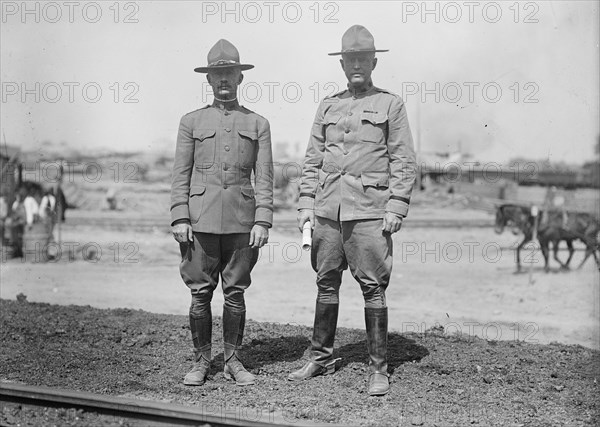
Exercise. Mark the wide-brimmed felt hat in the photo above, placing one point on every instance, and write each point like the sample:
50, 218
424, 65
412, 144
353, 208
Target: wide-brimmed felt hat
223, 55
358, 39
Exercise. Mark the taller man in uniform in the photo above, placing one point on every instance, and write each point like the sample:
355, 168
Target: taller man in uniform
357, 179
217, 216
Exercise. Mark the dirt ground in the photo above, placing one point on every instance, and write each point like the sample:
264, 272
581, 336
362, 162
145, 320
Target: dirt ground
460, 278
438, 378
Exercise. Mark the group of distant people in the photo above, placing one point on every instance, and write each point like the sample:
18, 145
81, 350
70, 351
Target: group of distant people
32, 205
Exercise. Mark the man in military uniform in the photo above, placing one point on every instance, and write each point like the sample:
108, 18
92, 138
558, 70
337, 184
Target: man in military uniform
357, 179
217, 216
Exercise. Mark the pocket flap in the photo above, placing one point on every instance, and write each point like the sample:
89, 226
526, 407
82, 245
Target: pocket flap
202, 134
249, 134
331, 119
374, 118
248, 191
375, 179
197, 190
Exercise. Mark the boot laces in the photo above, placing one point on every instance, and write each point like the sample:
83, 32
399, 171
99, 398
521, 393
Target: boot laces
235, 365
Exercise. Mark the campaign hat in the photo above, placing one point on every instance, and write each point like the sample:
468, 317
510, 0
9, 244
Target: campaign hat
223, 55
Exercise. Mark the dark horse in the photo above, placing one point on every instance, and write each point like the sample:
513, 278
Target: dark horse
553, 227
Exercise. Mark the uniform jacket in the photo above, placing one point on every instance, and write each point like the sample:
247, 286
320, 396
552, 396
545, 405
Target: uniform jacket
360, 161
217, 152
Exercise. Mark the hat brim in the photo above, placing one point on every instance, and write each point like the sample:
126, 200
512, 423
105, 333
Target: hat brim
358, 51
242, 67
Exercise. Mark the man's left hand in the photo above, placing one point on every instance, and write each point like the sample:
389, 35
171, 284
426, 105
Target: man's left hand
258, 236
391, 223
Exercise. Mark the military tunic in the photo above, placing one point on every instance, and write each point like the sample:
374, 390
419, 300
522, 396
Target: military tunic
360, 161
217, 152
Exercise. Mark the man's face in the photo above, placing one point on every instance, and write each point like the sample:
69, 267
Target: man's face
358, 67
225, 81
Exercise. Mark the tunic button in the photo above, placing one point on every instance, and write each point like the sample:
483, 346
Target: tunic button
227, 130
350, 113
343, 172
225, 167
347, 131
227, 148
225, 186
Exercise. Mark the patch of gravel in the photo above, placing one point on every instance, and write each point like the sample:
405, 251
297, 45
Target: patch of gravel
437, 379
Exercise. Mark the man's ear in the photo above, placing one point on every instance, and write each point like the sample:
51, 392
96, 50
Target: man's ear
374, 62
241, 78
208, 78
342, 63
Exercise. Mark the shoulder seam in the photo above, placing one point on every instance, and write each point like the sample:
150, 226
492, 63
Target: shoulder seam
192, 112
253, 112
387, 91
335, 94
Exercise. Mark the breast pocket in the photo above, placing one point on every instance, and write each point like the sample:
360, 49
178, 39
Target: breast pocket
330, 122
248, 141
205, 149
373, 127
196, 202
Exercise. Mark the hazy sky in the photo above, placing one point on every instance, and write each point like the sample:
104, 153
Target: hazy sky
495, 79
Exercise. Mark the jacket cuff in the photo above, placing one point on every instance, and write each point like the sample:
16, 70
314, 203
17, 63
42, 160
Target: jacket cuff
179, 211
262, 214
263, 223
306, 202
398, 207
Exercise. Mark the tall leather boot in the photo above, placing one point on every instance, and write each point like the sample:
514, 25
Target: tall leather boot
202, 336
376, 321
323, 338
233, 334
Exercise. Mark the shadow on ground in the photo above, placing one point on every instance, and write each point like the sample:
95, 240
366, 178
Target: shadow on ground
400, 350
261, 352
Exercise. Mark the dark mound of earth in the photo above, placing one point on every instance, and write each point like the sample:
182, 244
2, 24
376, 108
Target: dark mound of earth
437, 379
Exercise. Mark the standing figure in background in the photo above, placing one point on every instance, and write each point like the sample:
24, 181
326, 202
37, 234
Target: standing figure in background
357, 179
48, 210
3, 218
218, 217
17, 221
32, 207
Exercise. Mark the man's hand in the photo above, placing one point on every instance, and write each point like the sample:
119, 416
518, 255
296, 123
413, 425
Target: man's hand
183, 232
391, 223
306, 215
259, 235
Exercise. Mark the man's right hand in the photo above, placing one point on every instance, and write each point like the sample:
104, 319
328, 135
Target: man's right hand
183, 232
306, 215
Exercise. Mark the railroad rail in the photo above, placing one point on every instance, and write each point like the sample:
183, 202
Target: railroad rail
158, 412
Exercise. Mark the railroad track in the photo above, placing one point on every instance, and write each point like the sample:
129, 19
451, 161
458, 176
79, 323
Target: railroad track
144, 410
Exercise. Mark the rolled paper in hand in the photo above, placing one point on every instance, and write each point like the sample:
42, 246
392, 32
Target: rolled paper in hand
306, 236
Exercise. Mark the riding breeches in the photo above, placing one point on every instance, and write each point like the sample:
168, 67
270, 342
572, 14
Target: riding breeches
210, 256
360, 245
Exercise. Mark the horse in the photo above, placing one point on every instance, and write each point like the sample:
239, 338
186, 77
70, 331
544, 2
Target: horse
554, 227
573, 226
520, 219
